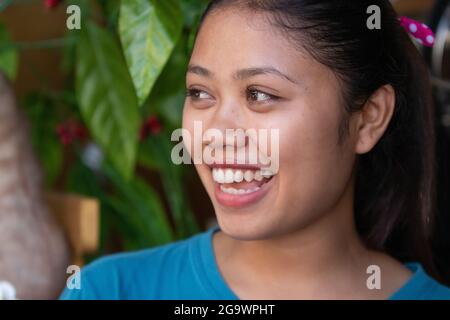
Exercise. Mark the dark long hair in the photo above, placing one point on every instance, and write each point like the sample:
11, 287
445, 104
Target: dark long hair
394, 193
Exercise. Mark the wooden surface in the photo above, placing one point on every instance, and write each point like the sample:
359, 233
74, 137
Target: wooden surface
413, 7
79, 217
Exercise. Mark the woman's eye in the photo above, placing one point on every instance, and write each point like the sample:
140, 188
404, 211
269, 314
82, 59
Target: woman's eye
197, 94
259, 96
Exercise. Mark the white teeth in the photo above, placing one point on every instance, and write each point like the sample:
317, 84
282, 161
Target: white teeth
248, 175
238, 191
238, 176
220, 176
266, 173
230, 176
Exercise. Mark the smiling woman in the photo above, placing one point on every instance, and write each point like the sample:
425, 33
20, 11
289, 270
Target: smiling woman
355, 184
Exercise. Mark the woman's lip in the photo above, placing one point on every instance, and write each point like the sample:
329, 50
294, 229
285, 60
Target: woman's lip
235, 166
241, 200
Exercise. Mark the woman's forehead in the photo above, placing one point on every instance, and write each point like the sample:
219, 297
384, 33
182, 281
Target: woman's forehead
230, 41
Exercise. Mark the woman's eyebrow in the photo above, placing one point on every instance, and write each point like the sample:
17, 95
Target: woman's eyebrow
251, 72
199, 70
240, 74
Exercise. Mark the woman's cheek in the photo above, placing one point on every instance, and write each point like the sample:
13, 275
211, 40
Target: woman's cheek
312, 166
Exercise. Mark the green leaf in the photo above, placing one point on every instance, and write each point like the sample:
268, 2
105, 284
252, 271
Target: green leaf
8, 55
168, 94
106, 97
141, 206
111, 10
149, 31
192, 10
159, 148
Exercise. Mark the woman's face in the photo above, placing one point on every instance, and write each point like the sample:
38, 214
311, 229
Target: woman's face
245, 75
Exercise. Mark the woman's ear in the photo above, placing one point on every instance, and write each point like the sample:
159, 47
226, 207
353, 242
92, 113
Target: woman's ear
374, 118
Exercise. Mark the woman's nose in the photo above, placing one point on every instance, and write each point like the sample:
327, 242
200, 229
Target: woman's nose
229, 114
230, 122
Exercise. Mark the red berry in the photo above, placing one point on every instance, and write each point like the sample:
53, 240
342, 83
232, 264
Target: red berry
151, 126
154, 124
50, 4
70, 131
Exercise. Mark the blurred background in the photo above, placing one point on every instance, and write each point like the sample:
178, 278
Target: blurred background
97, 107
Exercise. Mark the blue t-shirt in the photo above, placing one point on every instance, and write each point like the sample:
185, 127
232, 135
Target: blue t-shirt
187, 269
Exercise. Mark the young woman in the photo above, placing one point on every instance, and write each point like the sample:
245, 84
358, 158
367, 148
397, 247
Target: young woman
349, 212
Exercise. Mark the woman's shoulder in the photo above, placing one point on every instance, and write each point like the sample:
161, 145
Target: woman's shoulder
144, 257
421, 286
130, 275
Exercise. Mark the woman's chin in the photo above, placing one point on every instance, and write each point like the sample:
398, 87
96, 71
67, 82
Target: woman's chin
247, 228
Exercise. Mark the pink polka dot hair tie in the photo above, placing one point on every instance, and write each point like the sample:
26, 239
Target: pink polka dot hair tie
421, 32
